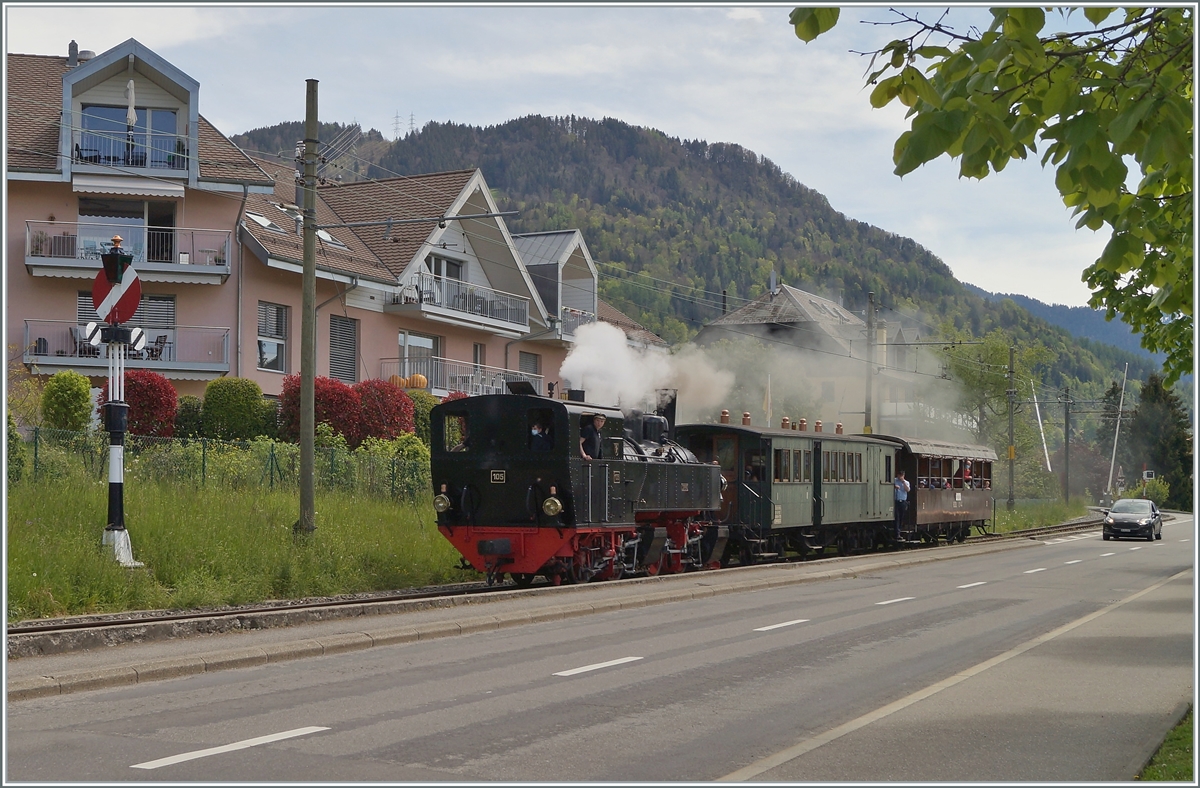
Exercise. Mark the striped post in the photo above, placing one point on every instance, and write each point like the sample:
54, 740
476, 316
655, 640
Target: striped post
116, 418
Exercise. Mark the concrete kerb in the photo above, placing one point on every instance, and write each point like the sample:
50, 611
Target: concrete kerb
30, 687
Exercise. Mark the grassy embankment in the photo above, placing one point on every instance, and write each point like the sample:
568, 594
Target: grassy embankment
1036, 515
209, 546
1173, 761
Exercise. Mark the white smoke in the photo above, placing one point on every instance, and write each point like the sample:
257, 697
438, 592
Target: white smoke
611, 372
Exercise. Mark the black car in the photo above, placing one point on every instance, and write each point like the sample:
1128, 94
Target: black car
1133, 517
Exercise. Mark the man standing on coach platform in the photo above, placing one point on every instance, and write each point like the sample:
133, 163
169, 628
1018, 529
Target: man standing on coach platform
589, 438
902, 488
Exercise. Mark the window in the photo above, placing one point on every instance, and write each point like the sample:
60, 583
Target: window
418, 352
329, 239
263, 221
146, 227
272, 336
887, 471
529, 363
480, 355
806, 476
540, 427
824, 466
152, 141
783, 465
343, 349
797, 456
455, 433
440, 266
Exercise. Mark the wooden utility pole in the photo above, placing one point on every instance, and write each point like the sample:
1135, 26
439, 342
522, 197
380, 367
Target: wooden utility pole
1067, 445
870, 361
1012, 448
308, 320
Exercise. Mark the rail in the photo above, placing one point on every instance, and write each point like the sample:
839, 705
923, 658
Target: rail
454, 295
450, 375
49, 341
574, 319
152, 149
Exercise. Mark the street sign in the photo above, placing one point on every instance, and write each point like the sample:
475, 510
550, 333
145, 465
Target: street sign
115, 302
92, 331
137, 339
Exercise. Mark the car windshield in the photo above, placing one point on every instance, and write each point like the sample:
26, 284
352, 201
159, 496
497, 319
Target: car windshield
1131, 506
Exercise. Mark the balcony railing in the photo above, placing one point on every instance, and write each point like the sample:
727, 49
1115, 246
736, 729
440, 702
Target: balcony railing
458, 296
449, 375
157, 245
64, 343
154, 149
572, 319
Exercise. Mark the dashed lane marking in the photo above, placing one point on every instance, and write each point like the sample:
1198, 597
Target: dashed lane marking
1135, 548
598, 666
1039, 569
808, 745
972, 585
901, 599
238, 745
1076, 561
784, 624
1106, 555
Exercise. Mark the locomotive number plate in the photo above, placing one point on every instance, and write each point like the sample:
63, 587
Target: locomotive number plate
498, 477
683, 487
616, 477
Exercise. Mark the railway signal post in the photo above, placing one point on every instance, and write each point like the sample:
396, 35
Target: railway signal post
115, 295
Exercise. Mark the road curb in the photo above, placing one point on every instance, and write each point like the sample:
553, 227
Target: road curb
31, 687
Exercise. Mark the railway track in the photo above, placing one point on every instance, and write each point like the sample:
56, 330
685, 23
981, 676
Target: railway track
109, 629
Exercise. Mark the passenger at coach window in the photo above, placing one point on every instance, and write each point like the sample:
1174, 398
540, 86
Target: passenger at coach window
589, 438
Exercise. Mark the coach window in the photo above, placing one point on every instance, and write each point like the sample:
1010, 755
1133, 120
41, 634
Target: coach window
806, 475
783, 465
824, 466
540, 428
887, 470
754, 466
457, 432
797, 454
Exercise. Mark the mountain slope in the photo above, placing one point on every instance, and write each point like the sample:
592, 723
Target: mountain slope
674, 223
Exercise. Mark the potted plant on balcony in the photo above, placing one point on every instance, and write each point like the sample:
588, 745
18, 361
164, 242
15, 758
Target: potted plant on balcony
39, 244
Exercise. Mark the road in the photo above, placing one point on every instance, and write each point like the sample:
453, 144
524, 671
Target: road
1062, 661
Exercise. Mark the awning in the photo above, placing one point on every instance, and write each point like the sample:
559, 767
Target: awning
133, 186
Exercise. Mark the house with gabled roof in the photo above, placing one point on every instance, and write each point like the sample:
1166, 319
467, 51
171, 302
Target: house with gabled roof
114, 145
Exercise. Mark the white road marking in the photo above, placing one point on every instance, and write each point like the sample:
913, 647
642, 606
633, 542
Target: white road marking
1106, 555
598, 666
901, 599
1185, 540
238, 745
972, 585
784, 624
808, 745
1039, 569
1135, 548
1076, 561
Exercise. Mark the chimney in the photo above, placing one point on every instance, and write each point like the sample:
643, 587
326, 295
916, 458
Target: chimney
837, 428
803, 425
724, 416
745, 418
817, 426
72, 55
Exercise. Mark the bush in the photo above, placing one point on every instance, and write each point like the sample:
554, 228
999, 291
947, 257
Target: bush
269, 425
423, 402
67, 402
188, 420
232, 409
17, 453
1156, 490
336, 404
152, 403
386, 410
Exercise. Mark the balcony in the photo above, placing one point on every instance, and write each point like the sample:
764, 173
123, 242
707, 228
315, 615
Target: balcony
454, 301
573, 319
179, 352
443, 375
141, 148
160, 254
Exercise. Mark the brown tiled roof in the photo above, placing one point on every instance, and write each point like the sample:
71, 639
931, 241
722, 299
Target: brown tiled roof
356, 260
411, 197
633, 329
220, 159
34, 110
821, 323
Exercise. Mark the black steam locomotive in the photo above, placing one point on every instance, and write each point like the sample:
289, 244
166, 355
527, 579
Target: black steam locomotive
515, 495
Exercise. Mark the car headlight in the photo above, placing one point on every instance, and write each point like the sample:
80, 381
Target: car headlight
441, 503
1108, 521
1145, 521
552, 506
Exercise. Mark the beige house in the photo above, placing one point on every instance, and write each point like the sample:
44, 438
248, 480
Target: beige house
437, 302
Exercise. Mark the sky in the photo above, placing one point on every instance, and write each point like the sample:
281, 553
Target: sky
719, 73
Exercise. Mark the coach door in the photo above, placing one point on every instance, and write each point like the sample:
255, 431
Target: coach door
819, 463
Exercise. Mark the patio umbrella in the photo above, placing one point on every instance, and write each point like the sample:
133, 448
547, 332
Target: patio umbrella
130, 121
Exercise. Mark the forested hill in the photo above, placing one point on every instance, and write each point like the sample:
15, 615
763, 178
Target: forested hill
672, 223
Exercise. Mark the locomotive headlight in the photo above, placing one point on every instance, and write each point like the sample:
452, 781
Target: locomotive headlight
441, 503
552, 506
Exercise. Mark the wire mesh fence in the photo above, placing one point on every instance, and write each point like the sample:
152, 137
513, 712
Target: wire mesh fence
383, 469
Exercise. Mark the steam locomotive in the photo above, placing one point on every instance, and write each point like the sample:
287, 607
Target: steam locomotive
514, 494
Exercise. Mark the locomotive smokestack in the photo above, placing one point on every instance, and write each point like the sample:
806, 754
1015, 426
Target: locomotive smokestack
667, 399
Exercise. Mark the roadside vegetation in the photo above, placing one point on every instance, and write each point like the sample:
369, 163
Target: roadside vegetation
1036, 514
205, 547
1173, 761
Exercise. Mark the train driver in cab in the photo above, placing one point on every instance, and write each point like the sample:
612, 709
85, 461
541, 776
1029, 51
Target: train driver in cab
589, 438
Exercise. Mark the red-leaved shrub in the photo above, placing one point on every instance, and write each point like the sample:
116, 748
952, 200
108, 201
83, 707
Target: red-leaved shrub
386, 410
335, 404
152, 402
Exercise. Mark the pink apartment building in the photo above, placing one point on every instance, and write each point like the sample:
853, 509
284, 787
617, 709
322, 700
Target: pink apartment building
443, 303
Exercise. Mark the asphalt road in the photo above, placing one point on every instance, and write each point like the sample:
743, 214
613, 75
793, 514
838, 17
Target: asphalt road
1064, 661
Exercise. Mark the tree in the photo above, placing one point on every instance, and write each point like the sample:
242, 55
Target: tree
67, 401
1096, 98
1161, 442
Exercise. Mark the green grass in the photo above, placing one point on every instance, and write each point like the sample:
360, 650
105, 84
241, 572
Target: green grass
1173, 761
1036, 515
210, 546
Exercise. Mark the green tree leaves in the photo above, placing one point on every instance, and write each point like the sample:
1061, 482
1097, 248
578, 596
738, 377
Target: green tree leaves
1097, 100
812, 22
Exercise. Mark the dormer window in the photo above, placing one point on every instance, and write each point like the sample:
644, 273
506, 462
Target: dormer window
441, 266
153, 141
